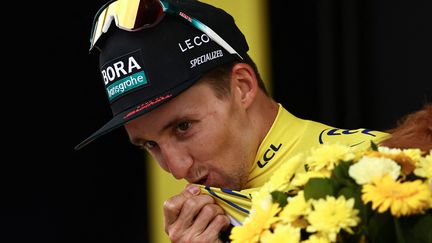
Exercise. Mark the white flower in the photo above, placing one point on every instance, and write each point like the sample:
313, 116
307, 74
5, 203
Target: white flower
367, 168
388, 150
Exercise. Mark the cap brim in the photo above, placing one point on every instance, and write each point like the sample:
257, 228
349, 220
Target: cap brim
136, 111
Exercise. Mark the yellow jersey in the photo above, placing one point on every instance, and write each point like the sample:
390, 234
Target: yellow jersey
287, 137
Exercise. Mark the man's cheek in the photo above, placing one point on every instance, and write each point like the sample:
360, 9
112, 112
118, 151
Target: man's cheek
160, 161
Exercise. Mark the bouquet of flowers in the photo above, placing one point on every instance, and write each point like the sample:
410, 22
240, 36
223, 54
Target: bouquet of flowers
333, 193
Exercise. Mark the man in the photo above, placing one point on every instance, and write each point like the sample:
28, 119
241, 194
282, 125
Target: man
179, 79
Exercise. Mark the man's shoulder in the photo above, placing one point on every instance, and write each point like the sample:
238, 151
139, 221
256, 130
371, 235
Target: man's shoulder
359, 137
350, 136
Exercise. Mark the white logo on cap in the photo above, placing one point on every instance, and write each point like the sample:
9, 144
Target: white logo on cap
117, 70
192, 42
205, 58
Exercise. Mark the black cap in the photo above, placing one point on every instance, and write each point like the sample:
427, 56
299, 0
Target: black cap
143, 69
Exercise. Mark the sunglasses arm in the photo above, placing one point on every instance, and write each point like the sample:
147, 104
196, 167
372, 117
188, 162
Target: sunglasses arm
108, 21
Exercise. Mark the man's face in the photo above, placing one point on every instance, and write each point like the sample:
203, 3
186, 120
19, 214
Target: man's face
199, 137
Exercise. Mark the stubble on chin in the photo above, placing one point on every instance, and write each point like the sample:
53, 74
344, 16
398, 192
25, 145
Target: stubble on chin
236, 182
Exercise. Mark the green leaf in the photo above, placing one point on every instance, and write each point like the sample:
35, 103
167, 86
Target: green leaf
341, 175
347, 192
417, 228
317, 188
398, 230
374, 146
280, 197
341, 170
380, 228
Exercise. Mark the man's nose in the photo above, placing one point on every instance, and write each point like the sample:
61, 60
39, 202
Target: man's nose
177, 160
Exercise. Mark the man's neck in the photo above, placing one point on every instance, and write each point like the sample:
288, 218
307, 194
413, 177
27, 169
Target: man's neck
262, 114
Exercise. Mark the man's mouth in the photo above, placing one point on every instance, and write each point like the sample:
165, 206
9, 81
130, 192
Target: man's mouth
203, 181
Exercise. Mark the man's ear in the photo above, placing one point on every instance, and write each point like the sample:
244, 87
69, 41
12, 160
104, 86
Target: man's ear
244, 83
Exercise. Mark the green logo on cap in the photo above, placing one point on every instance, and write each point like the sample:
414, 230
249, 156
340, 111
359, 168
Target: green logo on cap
125, 84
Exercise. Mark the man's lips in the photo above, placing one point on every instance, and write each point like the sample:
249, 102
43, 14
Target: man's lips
203, 181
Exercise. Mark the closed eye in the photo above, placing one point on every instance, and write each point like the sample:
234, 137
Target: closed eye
183, 126
149, 145
144, 145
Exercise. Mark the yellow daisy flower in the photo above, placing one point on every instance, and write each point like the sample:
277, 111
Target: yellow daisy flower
411, 197
260, 196
260, 219
280, 180
316, 239
283, 176
424, 167
414, 154
328, 155
297, 207
282, 234
330, 215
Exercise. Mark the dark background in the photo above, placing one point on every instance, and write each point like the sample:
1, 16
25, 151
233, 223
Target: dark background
349, 64
352, 63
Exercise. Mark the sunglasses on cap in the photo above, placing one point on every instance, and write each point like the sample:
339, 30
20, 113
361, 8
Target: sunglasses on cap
135, 15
